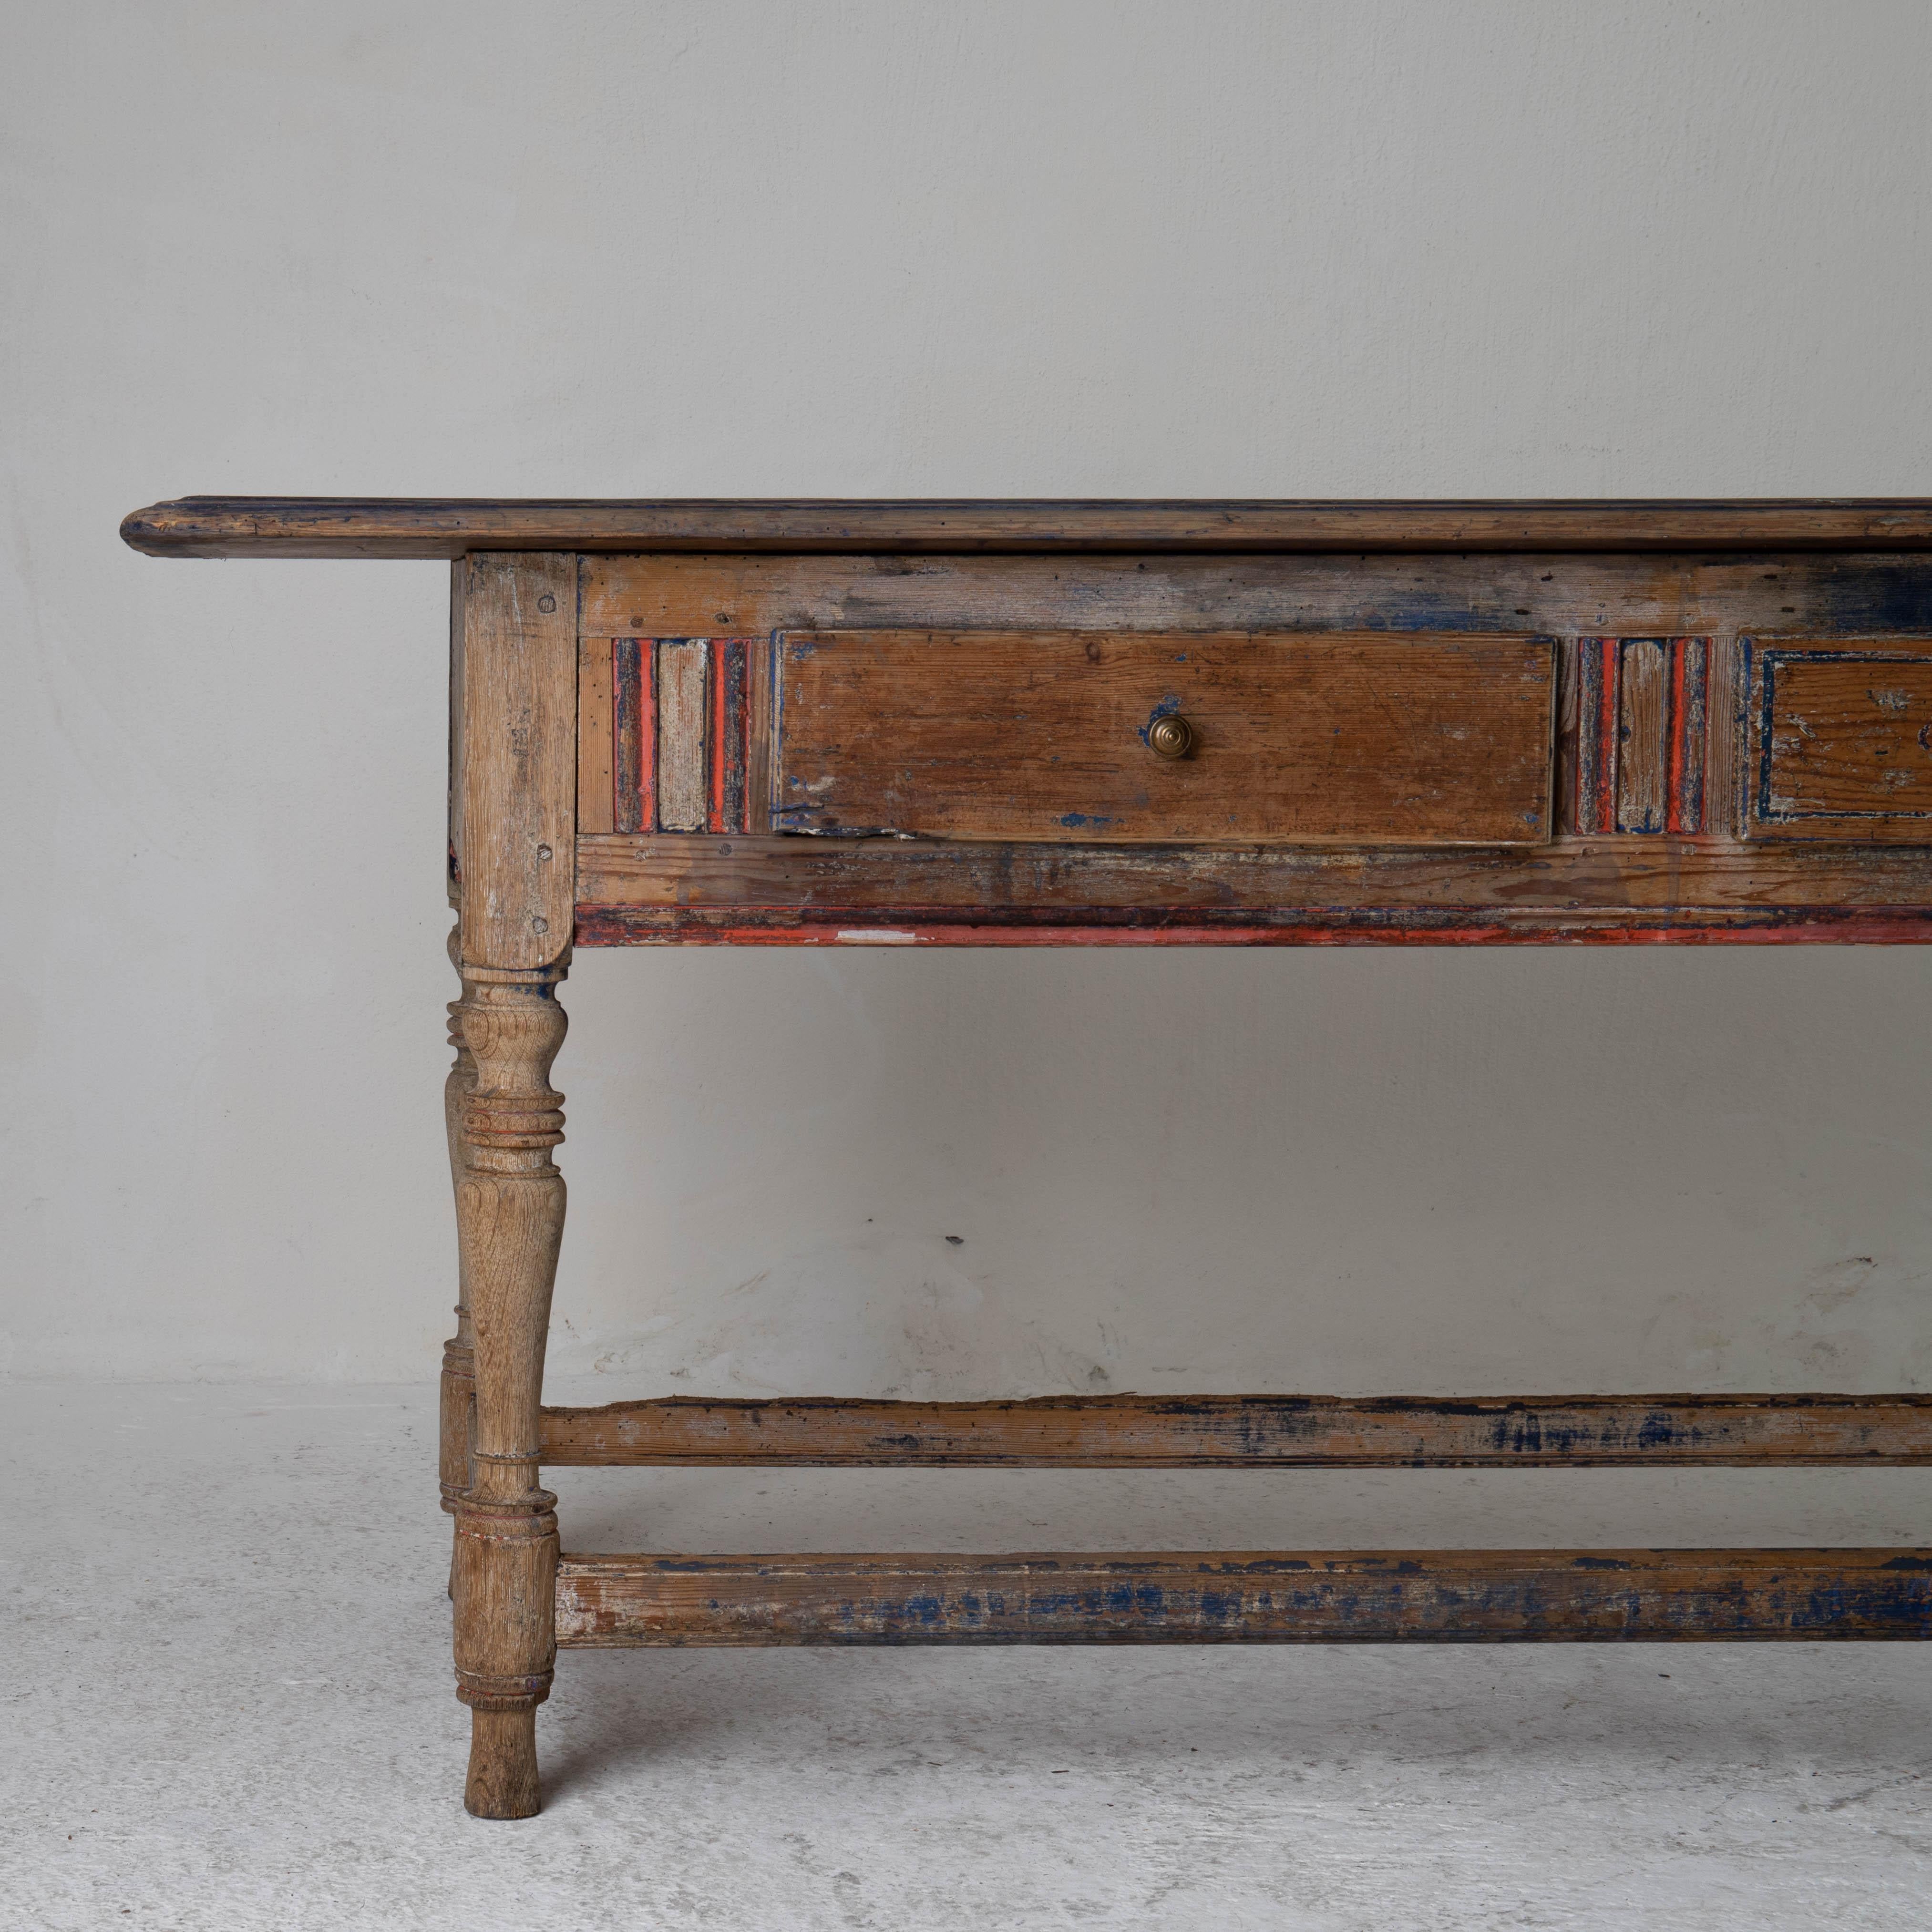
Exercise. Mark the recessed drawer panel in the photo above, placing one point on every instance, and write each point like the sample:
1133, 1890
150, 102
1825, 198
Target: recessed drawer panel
1842, 739
1149, 738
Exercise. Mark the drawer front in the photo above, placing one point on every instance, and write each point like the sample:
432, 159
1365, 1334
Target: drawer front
1372, 738
1842, 740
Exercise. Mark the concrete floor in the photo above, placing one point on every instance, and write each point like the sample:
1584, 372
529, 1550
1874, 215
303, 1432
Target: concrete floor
227, 1705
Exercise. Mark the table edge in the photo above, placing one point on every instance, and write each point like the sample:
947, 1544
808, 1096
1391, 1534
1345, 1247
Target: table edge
431, 527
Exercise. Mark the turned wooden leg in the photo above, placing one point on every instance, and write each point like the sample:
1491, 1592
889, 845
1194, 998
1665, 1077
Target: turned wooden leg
459, 1363
510, 1201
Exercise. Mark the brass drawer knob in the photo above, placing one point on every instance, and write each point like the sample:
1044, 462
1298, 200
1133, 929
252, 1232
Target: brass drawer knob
1171, 737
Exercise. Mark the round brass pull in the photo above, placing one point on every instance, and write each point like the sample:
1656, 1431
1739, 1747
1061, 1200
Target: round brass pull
1171, 737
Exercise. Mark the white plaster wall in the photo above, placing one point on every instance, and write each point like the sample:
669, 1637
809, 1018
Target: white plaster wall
896, 248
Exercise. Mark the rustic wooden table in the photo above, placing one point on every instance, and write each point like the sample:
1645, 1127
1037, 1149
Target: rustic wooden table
983, 723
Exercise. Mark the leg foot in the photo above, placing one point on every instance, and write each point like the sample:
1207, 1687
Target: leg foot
502, 1780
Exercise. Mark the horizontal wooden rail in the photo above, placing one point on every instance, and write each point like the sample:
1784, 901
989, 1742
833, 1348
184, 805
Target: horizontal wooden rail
1250, 1432
1326, 1597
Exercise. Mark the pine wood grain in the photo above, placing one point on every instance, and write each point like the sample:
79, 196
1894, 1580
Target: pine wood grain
1688, 733
1033, 735
726, 782
1643, 756
631, 890
596, 739
634, 776
1842, 741
509, 1212
1484, 1596
1724, 740
457, 1392
1541, 592
621, 925
683, 731
1756, 668
443, 527
1247, 1432
516, 779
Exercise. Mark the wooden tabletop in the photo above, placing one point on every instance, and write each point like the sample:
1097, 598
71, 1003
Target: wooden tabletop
408, 526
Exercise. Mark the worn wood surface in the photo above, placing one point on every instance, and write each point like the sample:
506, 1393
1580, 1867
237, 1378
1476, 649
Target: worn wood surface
457, 1392
726, 801
1687, 736
778, 890
760, 708
1281, 1597
510, 1206
1842, 740
1713, 671
1040, 736
516, 778
442, 527
607, 925
1643, 735
683, 728
1248, 1432
634, 733
502, 1780
1596, 662
1639, 730
683, 733
459, 573
1540, 593
597, 740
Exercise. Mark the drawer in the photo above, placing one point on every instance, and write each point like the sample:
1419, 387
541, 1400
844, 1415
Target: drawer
1141, 737
1841, 740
